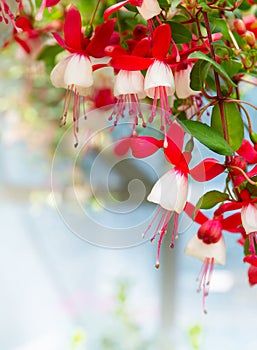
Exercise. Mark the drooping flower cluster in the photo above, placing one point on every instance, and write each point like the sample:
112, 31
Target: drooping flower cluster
189, 74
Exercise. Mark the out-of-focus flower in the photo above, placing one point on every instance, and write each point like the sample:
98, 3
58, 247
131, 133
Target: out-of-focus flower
75, 72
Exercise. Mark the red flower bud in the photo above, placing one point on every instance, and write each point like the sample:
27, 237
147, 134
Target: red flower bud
239, 162
139, 32
210, 231
239, 26
252, 275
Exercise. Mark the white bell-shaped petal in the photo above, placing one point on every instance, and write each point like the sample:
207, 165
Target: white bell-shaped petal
129, 82
170, 191
249, 217
159, 74
149, 9
182, 83
79, 72
57, 74
198, 249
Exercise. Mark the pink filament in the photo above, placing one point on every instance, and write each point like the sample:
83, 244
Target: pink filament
204, 279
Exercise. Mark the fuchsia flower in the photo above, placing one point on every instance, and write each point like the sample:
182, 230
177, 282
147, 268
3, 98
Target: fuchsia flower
170, 191
75, 72
208, 244
129, 84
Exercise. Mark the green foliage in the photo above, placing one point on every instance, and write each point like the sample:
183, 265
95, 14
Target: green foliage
234, 124
211, 198
207, 136
218, 68
198, 74
180, 33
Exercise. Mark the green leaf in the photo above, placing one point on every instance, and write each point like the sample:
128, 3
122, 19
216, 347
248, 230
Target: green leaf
231, 67
198, 74
180, 33
215, 65
210, 199
207, 136
234, 124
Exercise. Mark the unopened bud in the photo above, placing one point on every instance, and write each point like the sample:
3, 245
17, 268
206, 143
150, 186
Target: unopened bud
239, 26
250, 38
210, 232
88, 31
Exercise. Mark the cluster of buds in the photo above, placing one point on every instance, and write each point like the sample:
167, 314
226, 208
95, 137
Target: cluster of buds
244, 27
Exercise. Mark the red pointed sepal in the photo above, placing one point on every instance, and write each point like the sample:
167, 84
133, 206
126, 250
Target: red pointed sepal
207, 170
161, 41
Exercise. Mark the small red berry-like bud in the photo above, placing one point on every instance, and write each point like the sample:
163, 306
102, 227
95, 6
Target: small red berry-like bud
250, 38
252, 275
239, 26
239, 162
210, 231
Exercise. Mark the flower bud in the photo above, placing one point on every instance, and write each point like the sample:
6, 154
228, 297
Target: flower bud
250, 38
210, 231
139, 32
239, 162
239, 26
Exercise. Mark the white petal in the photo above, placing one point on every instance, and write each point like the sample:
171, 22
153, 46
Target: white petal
159, 74
249, 218
149, 9
170, 191
79, 72
182, 83
57, 74
200, 250
129, 82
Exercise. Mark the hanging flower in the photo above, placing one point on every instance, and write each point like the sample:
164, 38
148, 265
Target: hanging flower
171, 190
129, 84
129, 89
75, 72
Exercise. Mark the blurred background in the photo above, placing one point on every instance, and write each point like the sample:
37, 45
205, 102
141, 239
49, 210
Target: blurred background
75, 271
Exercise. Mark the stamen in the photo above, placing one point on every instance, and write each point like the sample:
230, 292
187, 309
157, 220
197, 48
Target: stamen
204, 278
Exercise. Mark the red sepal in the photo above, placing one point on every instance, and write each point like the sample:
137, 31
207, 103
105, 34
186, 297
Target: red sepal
122, 146
145, 146
247, 151
251, 259
108, 12
100, 39
207, 170
72, 29
232, 222
131, 63
240, 178
228, 207
197, 216
142, 48
161, 41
